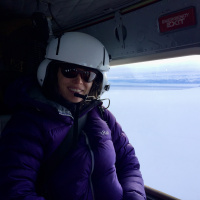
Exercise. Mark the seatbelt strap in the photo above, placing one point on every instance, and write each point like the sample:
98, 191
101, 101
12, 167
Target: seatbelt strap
50, 165
66, 145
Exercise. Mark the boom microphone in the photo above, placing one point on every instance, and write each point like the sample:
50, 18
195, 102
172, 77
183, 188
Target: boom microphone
84, 97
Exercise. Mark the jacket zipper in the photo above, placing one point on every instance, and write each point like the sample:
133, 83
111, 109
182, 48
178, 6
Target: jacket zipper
92, 159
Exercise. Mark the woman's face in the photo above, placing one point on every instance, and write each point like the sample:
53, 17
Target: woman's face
68, 86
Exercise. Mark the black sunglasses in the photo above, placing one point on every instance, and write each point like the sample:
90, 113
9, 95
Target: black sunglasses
87, 75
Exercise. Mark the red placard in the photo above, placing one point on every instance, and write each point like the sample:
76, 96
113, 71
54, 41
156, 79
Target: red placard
177, 20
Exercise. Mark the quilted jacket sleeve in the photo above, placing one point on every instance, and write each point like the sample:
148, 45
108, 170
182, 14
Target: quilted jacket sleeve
20, 156
127, 164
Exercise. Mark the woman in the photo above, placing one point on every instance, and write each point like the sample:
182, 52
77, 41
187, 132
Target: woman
99, 162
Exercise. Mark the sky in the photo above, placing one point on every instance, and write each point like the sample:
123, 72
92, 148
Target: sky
162, 123
158, 71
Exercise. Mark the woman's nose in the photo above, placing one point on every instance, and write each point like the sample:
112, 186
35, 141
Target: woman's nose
78, 79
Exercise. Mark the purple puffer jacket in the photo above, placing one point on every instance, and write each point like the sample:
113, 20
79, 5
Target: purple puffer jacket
103, 166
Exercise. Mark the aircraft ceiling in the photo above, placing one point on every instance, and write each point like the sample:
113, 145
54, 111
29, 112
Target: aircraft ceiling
65, 13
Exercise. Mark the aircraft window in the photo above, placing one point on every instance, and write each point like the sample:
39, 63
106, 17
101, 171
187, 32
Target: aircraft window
158, 105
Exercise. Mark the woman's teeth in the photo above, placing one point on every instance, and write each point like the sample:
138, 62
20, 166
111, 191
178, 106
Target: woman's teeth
75, 90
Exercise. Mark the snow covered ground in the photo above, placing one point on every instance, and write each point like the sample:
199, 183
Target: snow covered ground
164, 127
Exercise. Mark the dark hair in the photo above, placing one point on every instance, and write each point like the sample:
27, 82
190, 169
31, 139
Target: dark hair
97, 85
50, 85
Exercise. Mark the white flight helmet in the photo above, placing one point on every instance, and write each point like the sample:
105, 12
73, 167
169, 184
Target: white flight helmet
77, 48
